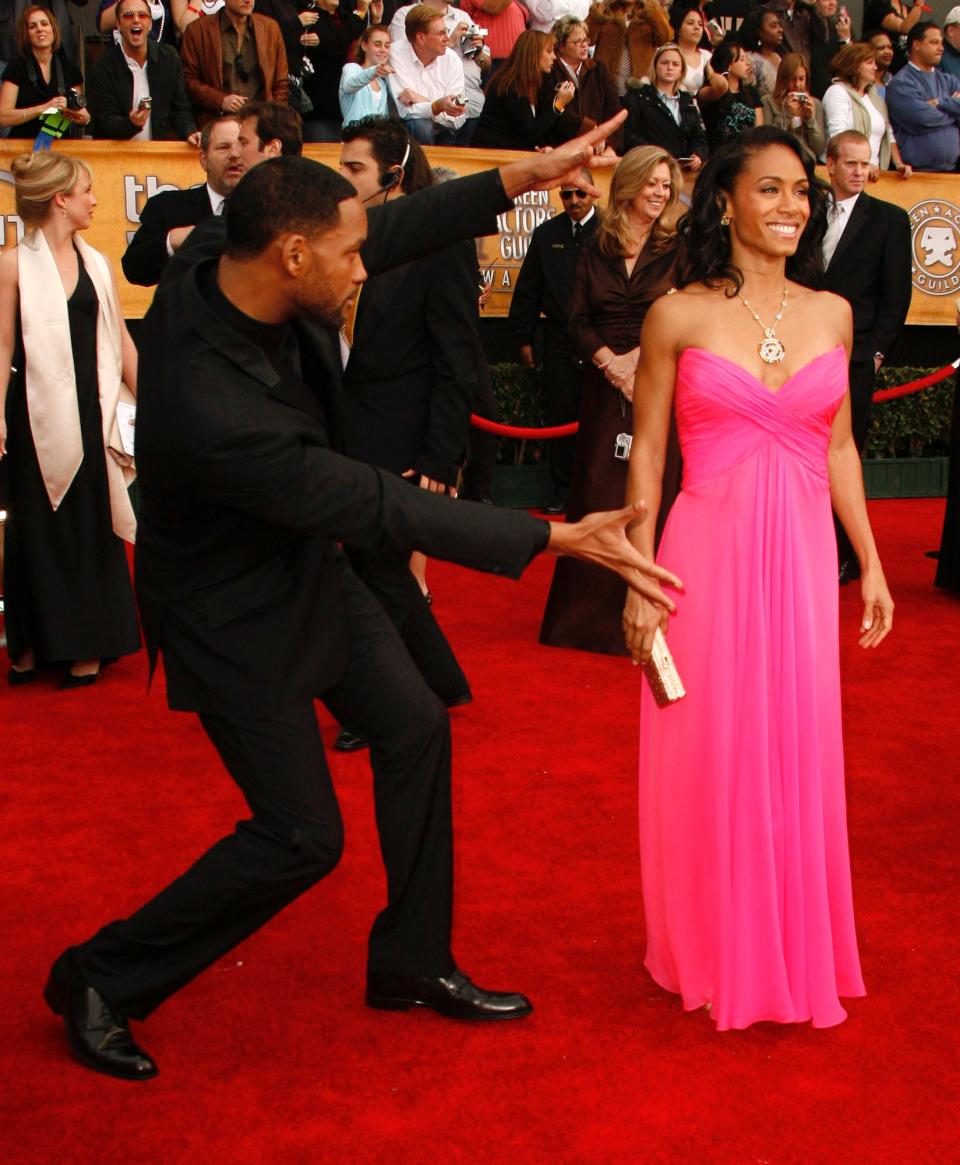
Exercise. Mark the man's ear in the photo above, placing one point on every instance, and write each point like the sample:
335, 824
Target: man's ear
273, 148
294, 254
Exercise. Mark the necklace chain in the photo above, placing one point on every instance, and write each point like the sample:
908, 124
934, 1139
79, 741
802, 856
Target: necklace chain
770, 348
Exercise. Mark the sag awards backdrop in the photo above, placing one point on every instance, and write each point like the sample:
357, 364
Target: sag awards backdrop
125, 177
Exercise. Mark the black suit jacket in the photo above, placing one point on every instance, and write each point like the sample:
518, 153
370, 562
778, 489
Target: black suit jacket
146, 257
412, 373
871, 270
243, 500
110, 95
545, 282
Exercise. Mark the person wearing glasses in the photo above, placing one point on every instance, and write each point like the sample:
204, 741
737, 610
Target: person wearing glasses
136, 89
543, 288
164, 27
627, 264
232, 58
595, 97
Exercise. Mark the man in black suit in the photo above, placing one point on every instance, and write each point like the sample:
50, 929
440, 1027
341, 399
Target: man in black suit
168, 218
136, 90
544, 285
243, 589
866, 255
409, 379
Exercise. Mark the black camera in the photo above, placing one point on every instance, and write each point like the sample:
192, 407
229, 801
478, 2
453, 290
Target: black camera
75, 100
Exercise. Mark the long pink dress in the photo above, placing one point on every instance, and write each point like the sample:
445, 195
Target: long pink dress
743, 836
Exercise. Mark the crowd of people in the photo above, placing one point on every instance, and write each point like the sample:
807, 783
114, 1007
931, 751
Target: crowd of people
334, 315
500, 75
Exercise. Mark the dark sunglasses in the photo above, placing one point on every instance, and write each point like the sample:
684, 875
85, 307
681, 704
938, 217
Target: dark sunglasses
567, 194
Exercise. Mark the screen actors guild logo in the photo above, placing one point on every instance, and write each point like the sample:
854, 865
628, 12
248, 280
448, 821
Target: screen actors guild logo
935, 245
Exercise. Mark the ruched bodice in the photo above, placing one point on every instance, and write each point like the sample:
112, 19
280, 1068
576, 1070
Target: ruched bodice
746, 878
726, 415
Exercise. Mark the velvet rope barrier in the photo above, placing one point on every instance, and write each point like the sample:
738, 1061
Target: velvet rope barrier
551, 432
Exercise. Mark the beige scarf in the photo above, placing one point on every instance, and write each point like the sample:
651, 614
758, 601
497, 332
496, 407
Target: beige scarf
51, 384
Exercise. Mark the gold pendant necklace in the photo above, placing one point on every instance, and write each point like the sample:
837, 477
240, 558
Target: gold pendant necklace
771, 349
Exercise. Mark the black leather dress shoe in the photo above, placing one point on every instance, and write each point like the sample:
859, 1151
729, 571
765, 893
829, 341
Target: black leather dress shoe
849, 571
555, 506
349, 742
71, 681
455, 997
97, 1034
17, 679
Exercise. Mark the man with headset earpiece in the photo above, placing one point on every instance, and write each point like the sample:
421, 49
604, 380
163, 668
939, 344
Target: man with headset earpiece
409, 379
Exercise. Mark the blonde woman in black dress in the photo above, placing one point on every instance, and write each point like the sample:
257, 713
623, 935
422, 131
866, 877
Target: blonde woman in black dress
67, 587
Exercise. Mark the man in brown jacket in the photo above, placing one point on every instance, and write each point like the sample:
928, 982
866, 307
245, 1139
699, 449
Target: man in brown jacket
233, 57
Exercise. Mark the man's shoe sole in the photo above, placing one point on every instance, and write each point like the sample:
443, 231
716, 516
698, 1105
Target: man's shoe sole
394, 1003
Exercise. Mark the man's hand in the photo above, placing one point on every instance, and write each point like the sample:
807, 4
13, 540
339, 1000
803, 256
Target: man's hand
562, 165
139, 117
193, 139
410, 97
526, 355
176, 237
447, 105
233, 103
428, 483
602, 539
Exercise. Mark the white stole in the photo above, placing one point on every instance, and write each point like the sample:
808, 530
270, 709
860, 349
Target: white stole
50, 378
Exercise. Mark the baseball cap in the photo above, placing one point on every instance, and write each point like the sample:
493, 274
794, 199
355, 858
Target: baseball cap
952, 17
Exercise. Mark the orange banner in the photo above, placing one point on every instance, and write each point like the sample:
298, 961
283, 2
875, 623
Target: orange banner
126, 176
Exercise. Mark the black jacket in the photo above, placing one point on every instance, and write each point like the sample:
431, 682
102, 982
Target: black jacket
110, 95
243, 501
649, 123
412, 373
545, 282
146, 255
508, 122
871, 270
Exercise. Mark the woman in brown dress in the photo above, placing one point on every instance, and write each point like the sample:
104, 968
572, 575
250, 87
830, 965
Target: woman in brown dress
627, 264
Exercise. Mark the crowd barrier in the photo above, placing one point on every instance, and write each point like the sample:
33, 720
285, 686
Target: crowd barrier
125, 176
551, 432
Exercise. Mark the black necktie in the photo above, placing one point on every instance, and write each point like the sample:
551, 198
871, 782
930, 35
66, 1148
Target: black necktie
576, 234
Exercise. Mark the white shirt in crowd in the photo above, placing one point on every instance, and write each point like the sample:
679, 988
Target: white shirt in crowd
544, 14
443, 77
473, 78
693, 79
838, 114
141, 90
216, 205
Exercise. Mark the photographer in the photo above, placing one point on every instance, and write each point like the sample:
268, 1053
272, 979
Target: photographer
791, 107
137, 91
40, 78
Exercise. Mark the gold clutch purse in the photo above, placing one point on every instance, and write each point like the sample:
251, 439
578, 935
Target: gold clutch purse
662, 674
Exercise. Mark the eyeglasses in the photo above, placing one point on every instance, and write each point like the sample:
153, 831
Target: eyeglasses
130, 15
566, 195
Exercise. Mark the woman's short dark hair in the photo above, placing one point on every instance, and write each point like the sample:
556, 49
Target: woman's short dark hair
705, 243
283, 195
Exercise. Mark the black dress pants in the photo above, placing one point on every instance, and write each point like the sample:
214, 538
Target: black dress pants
562, 389
294, 835
863, 378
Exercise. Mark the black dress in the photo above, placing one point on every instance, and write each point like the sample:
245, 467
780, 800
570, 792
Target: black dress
585, 605
32, 89
948, 565
66, 580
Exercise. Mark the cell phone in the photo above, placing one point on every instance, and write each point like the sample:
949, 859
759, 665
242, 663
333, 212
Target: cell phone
145, 103
715, 27
685, 161
844, 13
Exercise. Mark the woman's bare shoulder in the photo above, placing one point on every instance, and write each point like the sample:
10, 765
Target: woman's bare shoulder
8, 265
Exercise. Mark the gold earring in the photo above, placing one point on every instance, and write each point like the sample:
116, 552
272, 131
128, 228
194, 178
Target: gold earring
725, 220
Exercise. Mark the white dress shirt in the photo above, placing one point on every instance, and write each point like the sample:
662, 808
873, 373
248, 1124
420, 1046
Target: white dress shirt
836, 225
141, 89
443, 77
544, 14
472, 76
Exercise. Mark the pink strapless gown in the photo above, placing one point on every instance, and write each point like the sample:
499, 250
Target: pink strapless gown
743, 836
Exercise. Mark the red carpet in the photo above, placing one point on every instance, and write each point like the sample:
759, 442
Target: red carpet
272, 1057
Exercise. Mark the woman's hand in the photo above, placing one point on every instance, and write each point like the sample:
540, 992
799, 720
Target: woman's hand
794, 106
564, 95
874, 174
309, 40
877, 608
309, 17
621, 370
903, 169
384, 71
844, 27
640, 622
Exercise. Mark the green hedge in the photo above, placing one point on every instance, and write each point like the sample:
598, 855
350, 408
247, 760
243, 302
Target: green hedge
917, 425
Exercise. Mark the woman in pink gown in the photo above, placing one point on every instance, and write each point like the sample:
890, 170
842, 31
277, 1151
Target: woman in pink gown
746, 872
